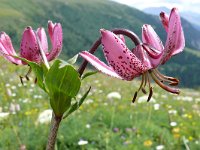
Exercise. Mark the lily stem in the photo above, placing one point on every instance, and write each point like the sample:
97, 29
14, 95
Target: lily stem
55, 122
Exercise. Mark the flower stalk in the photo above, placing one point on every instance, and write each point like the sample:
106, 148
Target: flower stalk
55, 122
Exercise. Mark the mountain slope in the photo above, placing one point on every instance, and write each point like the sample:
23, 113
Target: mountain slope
81, 21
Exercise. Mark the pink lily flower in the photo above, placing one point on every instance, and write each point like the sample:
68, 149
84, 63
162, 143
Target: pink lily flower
144, 58
30, 48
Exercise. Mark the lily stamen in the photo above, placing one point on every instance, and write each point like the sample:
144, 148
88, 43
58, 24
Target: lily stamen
26, 76
170, 80
165, 77
163, 86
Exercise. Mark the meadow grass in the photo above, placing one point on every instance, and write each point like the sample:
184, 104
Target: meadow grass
103, 122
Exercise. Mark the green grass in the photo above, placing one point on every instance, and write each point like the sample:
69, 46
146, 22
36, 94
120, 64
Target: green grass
110, 124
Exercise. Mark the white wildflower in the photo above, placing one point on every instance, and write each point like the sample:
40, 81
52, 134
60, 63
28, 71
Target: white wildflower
89, 101
173, 124
79, 96
19, 85
7, 85
82, 142
88, 126
14, 94
32, 85
156, 106
171, 111
114, 95
4, 115
13, 87
45, 116
30, 90
160, 147
144, 98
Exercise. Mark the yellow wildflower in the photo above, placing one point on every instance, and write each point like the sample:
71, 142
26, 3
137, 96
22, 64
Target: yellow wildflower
176, 135
148, 143
190, 138
175, 130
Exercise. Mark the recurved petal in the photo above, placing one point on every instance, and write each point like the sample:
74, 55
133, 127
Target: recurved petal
150, 37
119, 57
99, 65
175, 38
7, 43
6, 49
29, 47
5, 54
165, 20
43, 39
56, 40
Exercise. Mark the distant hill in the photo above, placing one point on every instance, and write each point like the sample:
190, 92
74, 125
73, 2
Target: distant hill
81, 21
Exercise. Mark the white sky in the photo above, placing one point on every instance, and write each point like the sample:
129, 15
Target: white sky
182, 5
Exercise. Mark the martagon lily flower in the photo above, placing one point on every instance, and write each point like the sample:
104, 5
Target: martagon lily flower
32, 44
145, 58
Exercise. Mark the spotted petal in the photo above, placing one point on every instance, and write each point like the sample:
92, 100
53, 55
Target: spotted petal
99, 65
175, 39
56, 37
29, 46
119, 57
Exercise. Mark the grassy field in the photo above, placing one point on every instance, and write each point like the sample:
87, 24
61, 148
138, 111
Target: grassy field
104, 122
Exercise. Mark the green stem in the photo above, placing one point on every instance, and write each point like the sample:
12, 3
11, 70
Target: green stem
55, 122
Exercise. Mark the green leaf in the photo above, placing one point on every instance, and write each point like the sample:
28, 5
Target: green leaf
73, 59
88, 74
62, 83
60, 103
76, 105
69, 62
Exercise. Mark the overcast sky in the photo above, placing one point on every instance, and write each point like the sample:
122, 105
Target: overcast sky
182, 5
